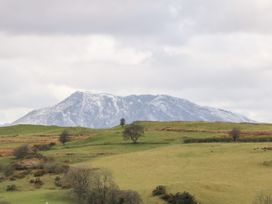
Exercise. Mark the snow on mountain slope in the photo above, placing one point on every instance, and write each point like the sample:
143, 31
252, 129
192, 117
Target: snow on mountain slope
105, 110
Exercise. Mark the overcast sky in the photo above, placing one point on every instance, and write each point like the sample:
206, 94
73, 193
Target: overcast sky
214, 52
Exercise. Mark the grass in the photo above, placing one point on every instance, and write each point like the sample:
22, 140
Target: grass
221, 173
36, 197
225, 173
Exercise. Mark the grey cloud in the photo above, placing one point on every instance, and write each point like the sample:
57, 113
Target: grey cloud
83, 16
175, 18
212, 52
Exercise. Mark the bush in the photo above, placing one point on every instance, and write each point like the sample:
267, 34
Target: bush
54, 167
2, 178
58, 182
39, 173
180, 198
8, 170
21, 175
37, 182
263, 199
4, 202
235, 134
227, 139
21, 152
159, 190
127, 197
64, 137
11, 188
267, 163
42, 147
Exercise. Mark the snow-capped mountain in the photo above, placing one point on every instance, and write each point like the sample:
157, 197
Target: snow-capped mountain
105, 110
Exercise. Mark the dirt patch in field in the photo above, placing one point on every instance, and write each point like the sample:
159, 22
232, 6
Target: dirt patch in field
5, 152
37, 139
32, 140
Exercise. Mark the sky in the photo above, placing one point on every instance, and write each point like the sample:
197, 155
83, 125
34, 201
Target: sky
214, 53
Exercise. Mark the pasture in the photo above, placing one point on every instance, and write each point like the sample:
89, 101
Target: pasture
225, 173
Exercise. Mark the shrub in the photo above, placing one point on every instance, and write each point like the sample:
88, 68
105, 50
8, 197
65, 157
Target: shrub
64, 137
21, 152
182, 198
179, 198
11, 188
159, 190
42, 147
4, 202
2, 178
263, 199
127, 197
267, 163
227, 139
21, 175
39, 173
36, 182
207, 140
58, 182
8, 170
235, 134
54, 167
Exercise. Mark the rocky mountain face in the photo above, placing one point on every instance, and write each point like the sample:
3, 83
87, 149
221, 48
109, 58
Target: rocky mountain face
105, 110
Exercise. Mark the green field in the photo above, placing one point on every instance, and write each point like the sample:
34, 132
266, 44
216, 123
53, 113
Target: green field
216, 173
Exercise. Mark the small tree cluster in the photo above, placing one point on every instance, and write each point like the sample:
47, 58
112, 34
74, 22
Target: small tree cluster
133, 132
92, 187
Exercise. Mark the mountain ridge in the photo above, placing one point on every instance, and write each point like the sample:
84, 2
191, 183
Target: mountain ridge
103, 110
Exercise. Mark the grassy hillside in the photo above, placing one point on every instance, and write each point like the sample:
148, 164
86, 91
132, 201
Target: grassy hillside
20, 130
225, 173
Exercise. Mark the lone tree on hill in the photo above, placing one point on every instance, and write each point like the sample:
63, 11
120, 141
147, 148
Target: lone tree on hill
235, 134
122, 122
64, 137
133, 132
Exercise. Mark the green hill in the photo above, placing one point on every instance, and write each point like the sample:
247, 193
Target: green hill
225, 173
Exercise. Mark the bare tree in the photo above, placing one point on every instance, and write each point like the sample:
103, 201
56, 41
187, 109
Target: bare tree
79, 180
102, 189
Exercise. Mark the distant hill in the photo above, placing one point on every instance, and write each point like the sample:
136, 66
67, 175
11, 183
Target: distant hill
105, 110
